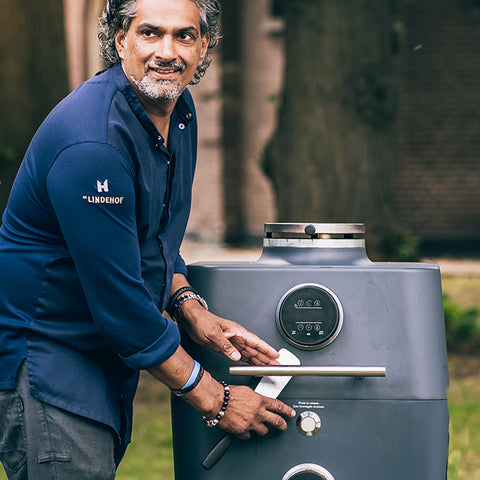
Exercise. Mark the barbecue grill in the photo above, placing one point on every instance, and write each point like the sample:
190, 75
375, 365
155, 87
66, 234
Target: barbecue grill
370, 393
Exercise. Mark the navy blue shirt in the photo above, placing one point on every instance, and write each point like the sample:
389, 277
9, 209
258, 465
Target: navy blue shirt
88, 247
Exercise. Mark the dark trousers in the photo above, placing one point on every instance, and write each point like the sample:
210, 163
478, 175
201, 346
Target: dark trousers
42, 442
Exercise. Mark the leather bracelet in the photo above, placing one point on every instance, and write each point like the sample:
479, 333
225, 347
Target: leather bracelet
221, 413
189, 386
170, 305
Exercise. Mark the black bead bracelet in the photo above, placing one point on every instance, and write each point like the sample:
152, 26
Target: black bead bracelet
221, 413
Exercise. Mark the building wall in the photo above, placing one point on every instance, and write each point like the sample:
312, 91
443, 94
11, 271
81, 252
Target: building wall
438, 170
437, 174
81, 18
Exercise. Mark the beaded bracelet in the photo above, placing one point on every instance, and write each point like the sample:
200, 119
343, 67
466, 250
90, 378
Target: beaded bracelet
221, 413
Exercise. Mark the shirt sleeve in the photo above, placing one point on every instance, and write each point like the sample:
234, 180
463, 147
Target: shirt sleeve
180, 266
91, 188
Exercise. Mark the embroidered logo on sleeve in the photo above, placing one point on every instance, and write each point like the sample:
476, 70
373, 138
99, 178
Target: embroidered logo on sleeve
102, 187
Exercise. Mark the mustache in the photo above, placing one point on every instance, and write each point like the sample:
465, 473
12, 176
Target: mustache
173, 64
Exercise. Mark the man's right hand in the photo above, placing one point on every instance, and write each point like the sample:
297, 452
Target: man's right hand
247, 411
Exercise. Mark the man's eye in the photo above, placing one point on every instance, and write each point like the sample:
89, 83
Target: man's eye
148, 33
186, 37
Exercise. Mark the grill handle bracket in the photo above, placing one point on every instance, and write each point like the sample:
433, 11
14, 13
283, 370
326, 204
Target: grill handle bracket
302, 371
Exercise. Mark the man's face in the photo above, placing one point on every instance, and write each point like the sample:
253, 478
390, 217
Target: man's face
162, 48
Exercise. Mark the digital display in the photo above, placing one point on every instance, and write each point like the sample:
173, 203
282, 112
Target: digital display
309, 316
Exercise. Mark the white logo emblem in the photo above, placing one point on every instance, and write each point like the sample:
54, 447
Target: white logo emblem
102, 187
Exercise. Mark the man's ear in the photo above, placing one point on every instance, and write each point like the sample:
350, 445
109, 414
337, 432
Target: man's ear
120, 43
205, 43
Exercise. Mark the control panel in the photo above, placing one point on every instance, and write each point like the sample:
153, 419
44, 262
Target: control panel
309, 316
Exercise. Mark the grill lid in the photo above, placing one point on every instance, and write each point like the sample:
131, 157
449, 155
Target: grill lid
314, 243
314, 230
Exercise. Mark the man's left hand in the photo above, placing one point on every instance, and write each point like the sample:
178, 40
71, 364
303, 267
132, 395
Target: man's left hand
225, 336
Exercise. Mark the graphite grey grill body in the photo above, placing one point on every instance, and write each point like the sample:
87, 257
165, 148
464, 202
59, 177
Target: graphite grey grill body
372, 405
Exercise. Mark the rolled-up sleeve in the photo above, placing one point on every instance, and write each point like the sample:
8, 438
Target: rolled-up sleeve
180, 266
92, 190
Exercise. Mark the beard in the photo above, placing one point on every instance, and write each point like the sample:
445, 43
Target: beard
156, 89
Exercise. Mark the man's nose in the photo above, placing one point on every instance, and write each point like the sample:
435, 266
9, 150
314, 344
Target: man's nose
165, 48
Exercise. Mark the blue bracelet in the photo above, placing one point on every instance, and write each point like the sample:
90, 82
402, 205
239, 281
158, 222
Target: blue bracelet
192, 382
193, 375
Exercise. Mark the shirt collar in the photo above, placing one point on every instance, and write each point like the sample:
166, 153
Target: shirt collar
182, 114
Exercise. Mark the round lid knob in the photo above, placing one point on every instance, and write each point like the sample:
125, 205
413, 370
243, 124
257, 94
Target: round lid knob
310, 229
308, 423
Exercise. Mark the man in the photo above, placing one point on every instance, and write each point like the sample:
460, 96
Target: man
89, 258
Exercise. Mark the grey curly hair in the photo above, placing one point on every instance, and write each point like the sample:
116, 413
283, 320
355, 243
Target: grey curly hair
118, 15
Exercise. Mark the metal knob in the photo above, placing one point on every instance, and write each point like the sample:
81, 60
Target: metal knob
308, 423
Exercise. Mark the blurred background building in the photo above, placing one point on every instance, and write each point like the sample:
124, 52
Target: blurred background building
437, 167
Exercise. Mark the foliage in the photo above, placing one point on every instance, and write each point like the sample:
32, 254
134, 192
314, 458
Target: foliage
392, 244
464, 409
462, 326
7, 155
398, 245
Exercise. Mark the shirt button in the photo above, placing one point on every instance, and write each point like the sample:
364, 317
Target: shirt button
181, 126
188, 116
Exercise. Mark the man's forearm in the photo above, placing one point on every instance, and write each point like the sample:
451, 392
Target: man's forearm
179, 280
206, 397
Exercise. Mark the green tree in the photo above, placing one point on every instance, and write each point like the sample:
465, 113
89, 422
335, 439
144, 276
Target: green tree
330, 158
34, 77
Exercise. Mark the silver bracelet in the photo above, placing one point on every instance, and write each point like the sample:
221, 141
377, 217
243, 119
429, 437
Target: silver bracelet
190, 296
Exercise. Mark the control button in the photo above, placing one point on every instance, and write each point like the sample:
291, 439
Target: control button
308, 423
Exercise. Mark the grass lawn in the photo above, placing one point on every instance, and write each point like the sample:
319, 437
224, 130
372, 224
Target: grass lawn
464, 408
